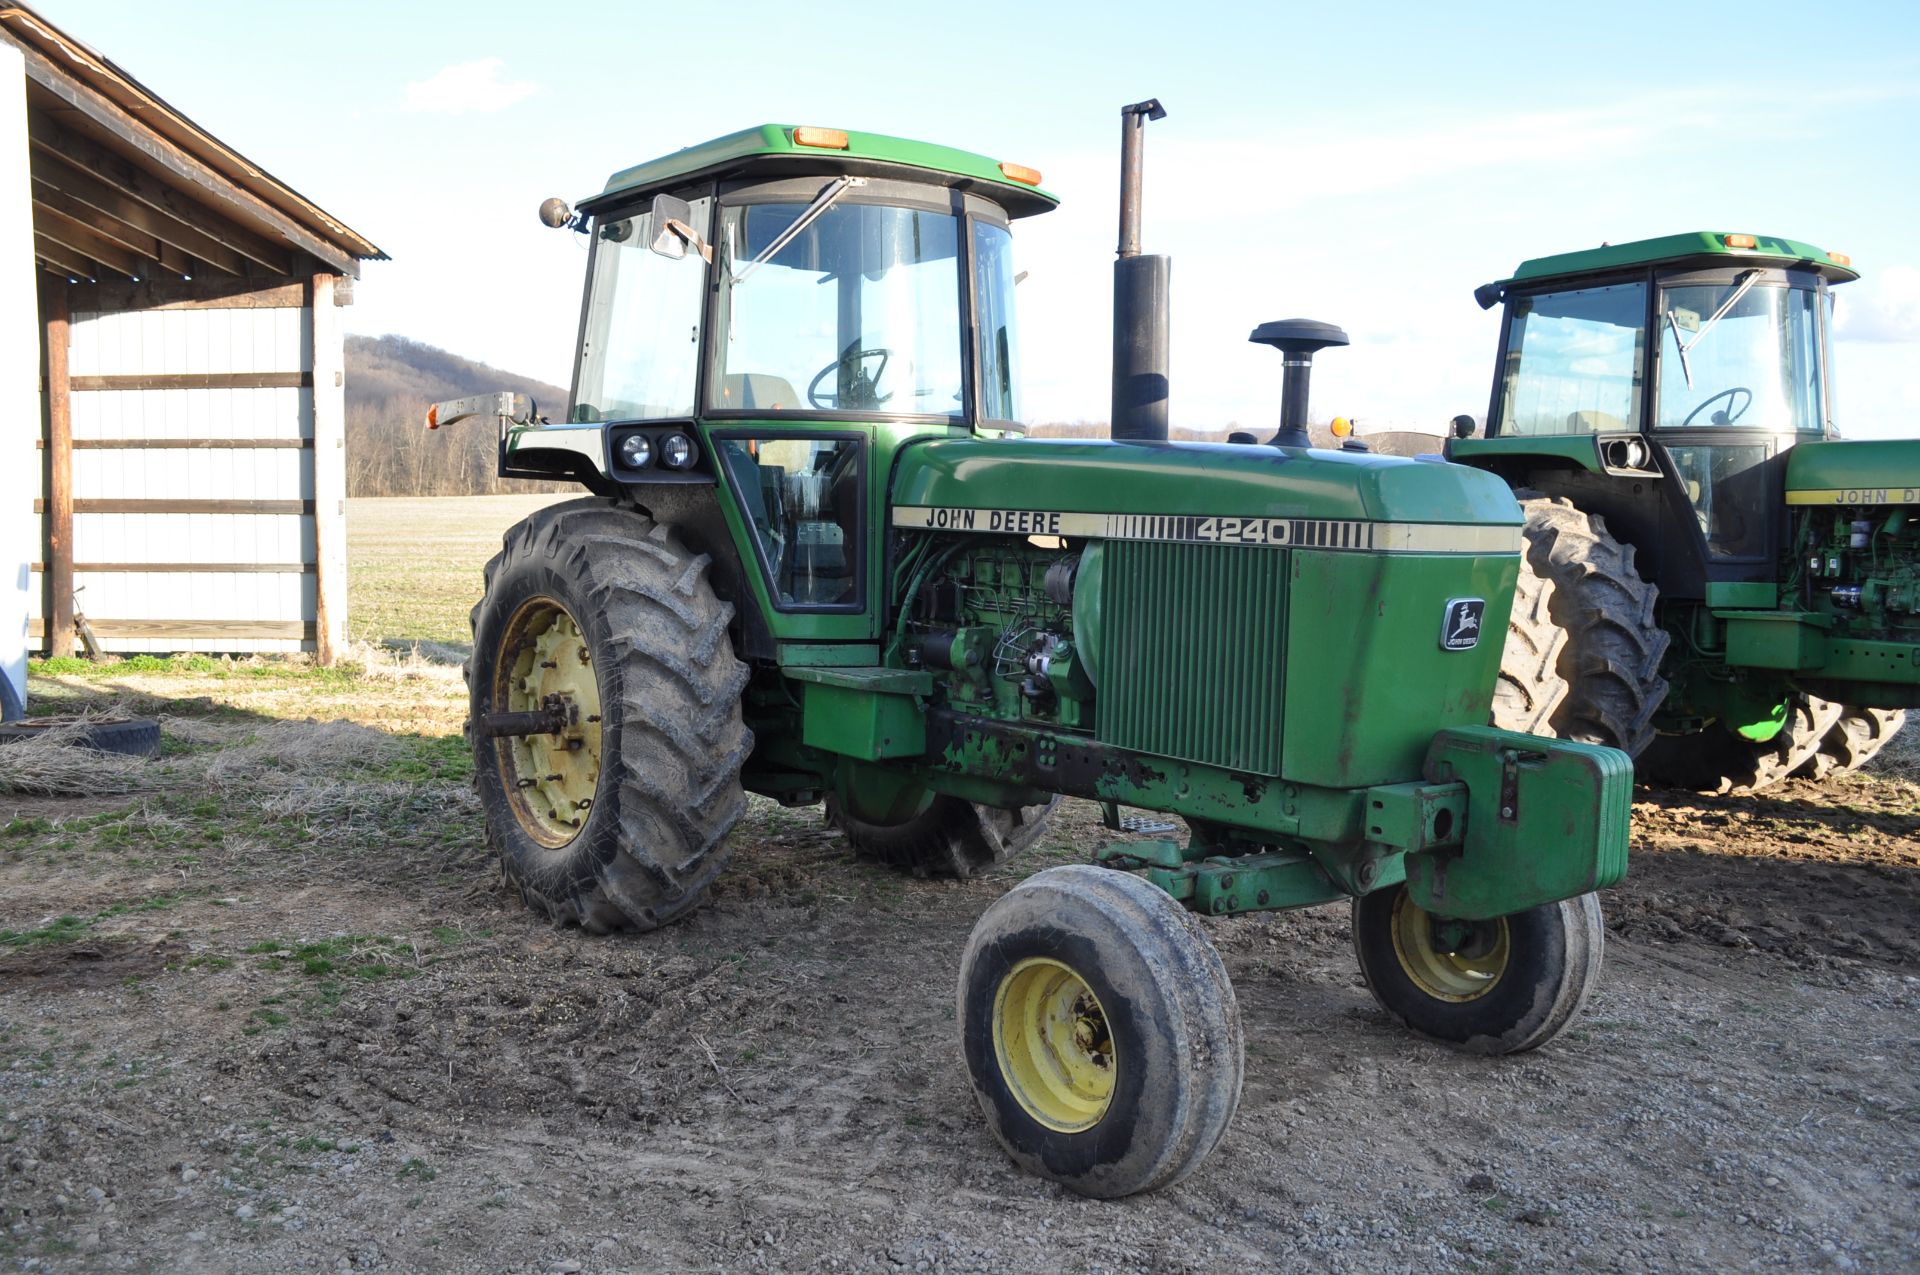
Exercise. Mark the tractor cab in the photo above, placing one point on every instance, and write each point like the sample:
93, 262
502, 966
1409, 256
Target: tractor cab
1687, 365
768, 317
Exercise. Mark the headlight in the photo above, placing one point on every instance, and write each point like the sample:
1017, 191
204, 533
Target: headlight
676, 451
636, 452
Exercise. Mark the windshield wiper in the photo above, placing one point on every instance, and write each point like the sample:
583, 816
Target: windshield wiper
821, 202
1688, 347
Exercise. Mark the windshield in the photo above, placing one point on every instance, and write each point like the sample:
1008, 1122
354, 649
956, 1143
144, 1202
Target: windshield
1738, 354
857, 312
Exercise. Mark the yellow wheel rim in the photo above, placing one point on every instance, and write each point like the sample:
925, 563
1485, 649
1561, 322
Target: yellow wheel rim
551, 778
1055, 1049
1449, 960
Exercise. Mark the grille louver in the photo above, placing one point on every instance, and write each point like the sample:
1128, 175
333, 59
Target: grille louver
1191, 653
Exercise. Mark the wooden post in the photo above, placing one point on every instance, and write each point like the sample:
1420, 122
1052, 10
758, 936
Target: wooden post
329, 473
59, 408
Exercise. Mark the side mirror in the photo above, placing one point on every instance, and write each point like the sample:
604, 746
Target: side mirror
673, 231
1463, 426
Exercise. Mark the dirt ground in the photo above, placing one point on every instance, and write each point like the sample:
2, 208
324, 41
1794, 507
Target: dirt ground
273, 1012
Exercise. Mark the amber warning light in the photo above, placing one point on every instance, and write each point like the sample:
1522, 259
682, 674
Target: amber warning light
832, 139
1020, 173
1742, 241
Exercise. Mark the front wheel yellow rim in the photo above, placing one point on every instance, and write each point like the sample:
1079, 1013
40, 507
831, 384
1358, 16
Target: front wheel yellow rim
1449, 960
1054, 1044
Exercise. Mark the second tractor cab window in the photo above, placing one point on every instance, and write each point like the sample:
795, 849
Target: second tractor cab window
1740, 354
854, 309
802, 498
1575, 361
640, 347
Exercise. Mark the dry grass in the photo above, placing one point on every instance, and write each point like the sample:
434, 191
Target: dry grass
57, 762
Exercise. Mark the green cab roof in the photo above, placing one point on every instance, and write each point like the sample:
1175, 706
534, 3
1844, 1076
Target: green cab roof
770, 150
1698, 246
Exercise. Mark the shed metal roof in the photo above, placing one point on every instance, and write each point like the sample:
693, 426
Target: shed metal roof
125, 182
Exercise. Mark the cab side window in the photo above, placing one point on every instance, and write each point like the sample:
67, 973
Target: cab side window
1574, 362
804, 499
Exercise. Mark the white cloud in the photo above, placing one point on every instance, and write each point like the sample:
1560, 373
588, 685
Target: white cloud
1884, 307
465, 87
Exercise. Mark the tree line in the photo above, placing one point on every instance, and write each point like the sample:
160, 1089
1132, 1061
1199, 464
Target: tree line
390, 452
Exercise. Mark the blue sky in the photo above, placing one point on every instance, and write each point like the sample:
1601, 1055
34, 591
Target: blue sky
1365, 164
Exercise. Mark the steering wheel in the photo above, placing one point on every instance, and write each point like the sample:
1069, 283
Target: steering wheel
1726, 417
863, 394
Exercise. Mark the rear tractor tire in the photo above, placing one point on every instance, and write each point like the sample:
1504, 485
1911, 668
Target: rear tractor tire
1717, 760
620, 819
1100, 1032
1583, 652
1489, 987
945, 837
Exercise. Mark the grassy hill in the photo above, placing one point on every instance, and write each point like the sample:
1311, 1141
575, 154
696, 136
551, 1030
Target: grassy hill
390, 452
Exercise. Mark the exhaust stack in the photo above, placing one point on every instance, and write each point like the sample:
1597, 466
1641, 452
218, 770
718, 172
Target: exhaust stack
1140, 299
1298, 340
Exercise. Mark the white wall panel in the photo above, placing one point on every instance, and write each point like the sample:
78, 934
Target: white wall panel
19, 375
206, 341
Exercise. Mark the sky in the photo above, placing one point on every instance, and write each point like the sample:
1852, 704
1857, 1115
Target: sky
1363, 164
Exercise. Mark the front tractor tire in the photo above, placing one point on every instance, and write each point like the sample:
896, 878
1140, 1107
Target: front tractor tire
1820, 738
1583, 652
1855, 738
1718, 760
602, 619
1100, 1032
1499, 986
941, 836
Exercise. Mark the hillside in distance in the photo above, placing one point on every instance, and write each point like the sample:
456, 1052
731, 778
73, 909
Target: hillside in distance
390, 452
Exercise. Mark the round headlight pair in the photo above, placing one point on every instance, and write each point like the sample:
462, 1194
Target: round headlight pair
676, 451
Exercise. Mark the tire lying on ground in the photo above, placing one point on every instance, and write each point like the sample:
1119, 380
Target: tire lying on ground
1490, 987
1609, 657
620, 819
1100, 1031
1717, 760
127, 736
945, 836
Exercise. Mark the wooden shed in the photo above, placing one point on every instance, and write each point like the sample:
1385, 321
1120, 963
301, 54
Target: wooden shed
180, 437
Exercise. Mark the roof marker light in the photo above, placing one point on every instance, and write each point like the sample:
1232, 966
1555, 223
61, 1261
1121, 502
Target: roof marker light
1019, 173
832, 139
1839, 258
1742, 241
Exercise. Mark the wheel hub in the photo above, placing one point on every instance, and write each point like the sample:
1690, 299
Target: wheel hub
546, 672
1055, 1048
1448, 959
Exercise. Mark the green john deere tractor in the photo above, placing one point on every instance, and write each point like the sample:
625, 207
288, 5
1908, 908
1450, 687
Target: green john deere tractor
821, 563
1713, 581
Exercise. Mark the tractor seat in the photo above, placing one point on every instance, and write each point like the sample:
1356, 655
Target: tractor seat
757, 391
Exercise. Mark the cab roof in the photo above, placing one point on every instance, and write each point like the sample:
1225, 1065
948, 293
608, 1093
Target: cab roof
1701, 247
771, 150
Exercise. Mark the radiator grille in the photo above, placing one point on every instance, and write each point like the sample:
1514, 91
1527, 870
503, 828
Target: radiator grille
1190, 660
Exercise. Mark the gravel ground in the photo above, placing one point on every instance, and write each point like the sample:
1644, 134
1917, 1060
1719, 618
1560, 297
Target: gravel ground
294, 1023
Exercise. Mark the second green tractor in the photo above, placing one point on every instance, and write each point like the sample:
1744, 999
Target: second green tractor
1713, 581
